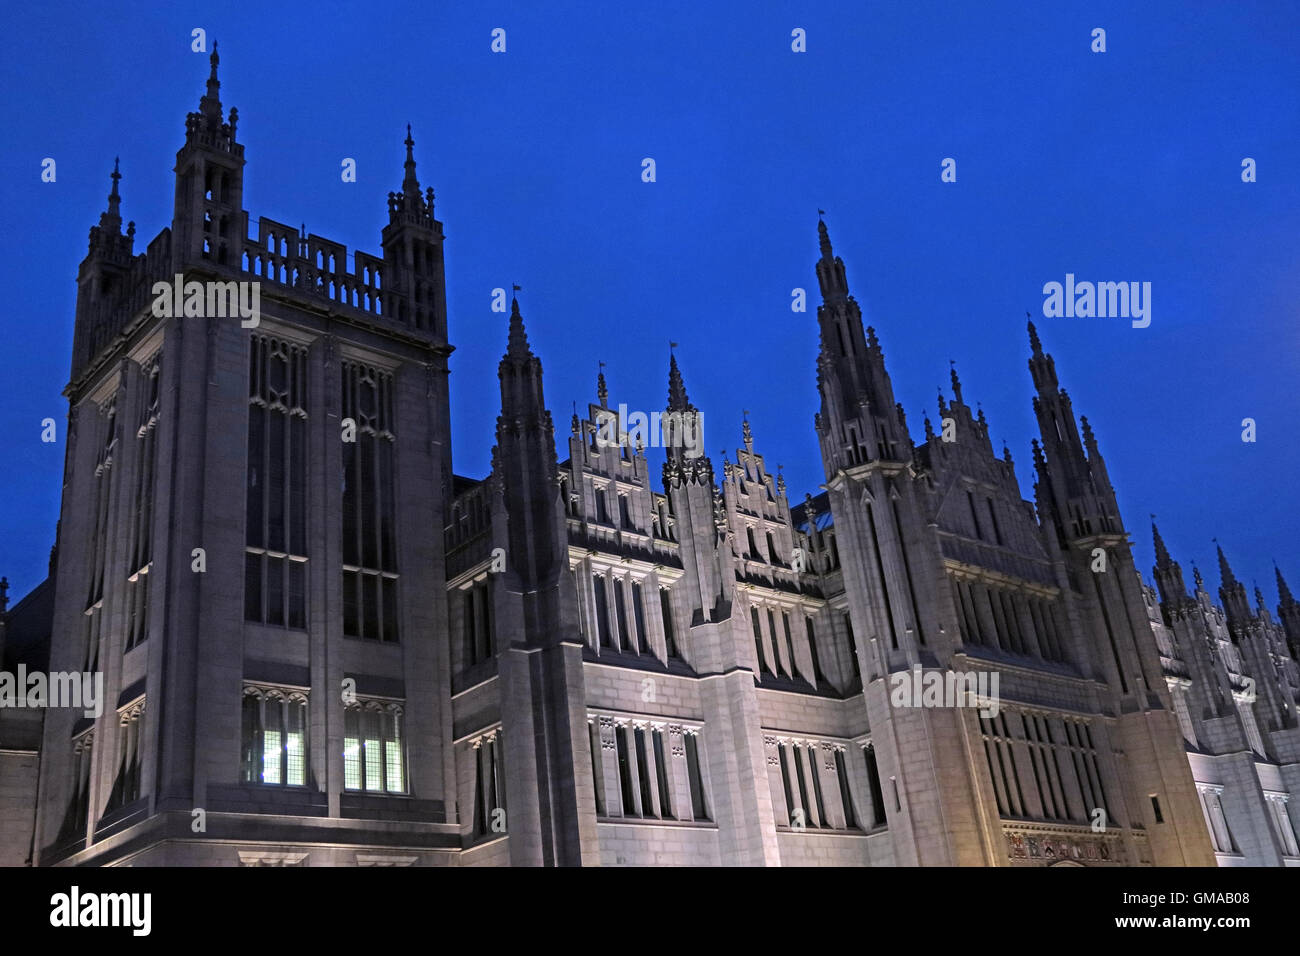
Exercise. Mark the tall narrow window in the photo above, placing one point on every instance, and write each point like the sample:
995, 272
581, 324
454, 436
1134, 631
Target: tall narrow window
771, 629
625, 772
789, 640
468, 600
643, 773
812, 650
477, 618
369, 523
753, 545
76, 819
853, 648
597, 767
620, 615
373, 753
873, 783
814, 771
794, 811
699, 807
846, 795
624, 516
666, 609
758, 640
602, 512
602, 611
275, 539
142, 513
638, 618
974, 515
130, 729
489, 787
99, 542
993, 520
661, 771
797, 752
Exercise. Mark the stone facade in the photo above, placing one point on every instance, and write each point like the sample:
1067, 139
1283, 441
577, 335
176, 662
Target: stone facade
589, 666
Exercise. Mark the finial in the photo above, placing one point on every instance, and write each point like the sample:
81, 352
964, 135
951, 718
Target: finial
410, 184
4, 595
1088, 438
1283, 592
1225, 570
1034, 344
780, 481
602, 393
824, 239
956, 382
747, 433
111, 219
1162, 553
210, 104
678, 401
517, 346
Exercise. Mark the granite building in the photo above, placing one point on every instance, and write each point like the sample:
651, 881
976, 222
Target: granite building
366, 659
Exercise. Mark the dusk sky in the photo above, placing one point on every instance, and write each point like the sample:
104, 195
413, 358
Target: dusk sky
1117, 166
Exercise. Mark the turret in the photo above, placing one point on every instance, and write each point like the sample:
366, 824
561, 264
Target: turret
859, 419
208, 219
414, 279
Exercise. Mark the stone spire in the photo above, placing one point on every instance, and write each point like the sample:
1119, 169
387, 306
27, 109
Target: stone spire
210, 104
1283, 592
1167, 573
408, 206
1288, 612
517, 346
1233, 594
678, 400
111, 219
1162, 553
410, 184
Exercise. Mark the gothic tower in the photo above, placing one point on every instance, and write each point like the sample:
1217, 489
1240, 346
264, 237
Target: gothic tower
542, 697
890, 558
1084, 531
241, 536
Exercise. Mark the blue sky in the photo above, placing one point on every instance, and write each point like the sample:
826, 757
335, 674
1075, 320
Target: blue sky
1123, 165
